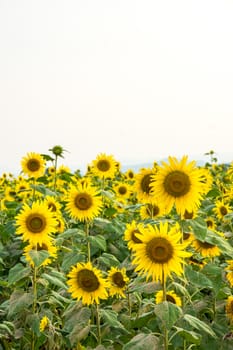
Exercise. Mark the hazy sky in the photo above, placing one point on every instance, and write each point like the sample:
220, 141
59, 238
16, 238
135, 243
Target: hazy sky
140, 80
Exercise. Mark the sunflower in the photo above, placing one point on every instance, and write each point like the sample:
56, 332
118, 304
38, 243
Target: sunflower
48, 246
229, 308
188, 215
83, 202
210, 223
229, 270
151, 210
129, 174
160, 254
86, 283
35, 223
142, 184
132, 234
221, 209
179, 184
205, 249
118, 280
104, 166
33, 165
53, 205
44, 323
171, 297
122, 190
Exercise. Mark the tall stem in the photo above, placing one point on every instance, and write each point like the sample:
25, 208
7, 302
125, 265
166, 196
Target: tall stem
88, 243
98, 324
164, 299
34, 306
55, 174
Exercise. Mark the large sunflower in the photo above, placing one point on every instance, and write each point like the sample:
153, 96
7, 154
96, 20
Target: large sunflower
180, 184
171, 297
35, 223
83, 202
104, 166
160, 254
86, 283
33, 165
118, 281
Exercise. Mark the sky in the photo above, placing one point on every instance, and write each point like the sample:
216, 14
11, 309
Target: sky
139, 80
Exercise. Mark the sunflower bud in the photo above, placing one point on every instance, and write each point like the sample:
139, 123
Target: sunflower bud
57, 151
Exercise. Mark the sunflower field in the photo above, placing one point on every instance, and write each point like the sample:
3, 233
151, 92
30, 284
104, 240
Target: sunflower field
116, 260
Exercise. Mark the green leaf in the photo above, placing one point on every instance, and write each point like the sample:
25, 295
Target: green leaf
199, 228
76, 315
44, 190
198, 324
54, 280
38, 256
221, 242
168, 313
108, 259
143, 341
197, 278
190, 336
78, 333
17, 273
98, 241
110, 317
19, 301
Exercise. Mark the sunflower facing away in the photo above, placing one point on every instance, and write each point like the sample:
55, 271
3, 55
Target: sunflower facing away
87, 284
33, 165
118, 281
104, 166
180, 184
35, 223
83, 202
170, 297
160, 254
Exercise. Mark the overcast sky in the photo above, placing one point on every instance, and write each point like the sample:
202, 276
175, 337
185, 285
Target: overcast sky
140, 80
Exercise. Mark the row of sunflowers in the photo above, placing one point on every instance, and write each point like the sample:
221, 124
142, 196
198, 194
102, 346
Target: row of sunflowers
116, 260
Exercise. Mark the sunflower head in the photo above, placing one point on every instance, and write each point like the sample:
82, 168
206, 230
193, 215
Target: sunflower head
132, 234
104, 166
87, 284
33, 165
170, 296
83, 202
180, 184
118, 281
160, 252
47, 246
229, 308
142, 184
206, 249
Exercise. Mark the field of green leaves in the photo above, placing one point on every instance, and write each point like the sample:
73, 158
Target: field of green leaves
116, 260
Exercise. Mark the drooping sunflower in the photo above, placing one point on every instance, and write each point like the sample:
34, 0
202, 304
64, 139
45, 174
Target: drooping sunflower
132, 234
142, 184
83, 202
229, 272
35, 223
48, 246
86, 283
180, 184
229, 308
118, 280
171, 297
33, 165
206, 249
161, 252
104, 166
221, 209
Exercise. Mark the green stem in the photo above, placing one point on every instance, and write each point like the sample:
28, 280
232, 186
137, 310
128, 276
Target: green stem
165, 299
88, 243
98, 324
34, 306
55, 174
129, 302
